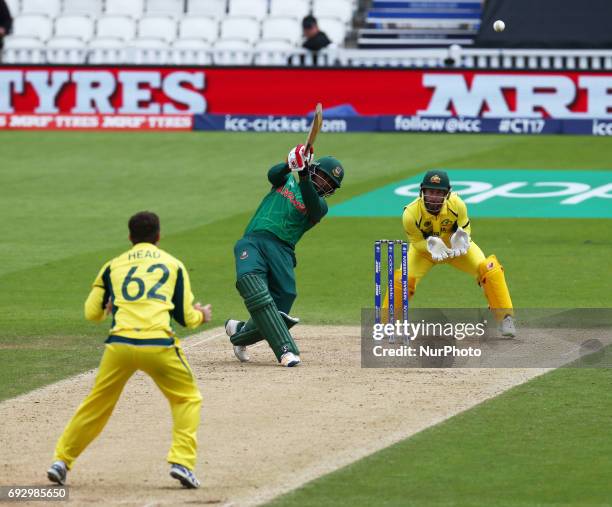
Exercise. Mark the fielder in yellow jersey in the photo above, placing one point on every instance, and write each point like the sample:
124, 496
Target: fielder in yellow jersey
439, 231
144, 289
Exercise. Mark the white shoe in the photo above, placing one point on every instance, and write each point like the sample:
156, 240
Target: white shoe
231, 327
184, 476
507, 327
289, 359
57, 472
240, 351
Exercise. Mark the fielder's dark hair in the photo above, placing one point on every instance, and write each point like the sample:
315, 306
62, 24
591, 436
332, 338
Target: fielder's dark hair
144, 227
309, 21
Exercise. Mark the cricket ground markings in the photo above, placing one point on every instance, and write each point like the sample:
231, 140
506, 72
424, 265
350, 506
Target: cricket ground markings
500, 193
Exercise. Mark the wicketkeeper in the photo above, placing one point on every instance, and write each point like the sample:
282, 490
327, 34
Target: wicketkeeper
439, 232
143, 289
265, 256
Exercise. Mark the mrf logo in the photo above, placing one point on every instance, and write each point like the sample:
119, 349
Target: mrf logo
487, 95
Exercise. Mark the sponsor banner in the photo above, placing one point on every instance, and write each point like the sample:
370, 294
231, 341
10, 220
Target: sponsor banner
270, 123
95, 122
461, 125
401, 123
293, 92
500, 193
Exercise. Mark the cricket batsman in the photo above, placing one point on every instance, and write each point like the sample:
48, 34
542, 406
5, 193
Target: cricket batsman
265, 255
439, 232
143, 289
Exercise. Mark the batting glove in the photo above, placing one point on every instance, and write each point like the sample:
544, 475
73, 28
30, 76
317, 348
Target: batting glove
460, 242
437, 249
298, 159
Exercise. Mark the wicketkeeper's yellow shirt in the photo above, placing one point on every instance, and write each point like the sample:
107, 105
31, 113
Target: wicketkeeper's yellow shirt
148, 288
419, 224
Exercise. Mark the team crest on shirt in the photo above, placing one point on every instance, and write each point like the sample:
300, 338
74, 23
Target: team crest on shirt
446, 221
244, 255
427, 224
435, 179
337, 171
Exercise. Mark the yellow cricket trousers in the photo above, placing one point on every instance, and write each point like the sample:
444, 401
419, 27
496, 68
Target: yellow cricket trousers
168, 367
419, 265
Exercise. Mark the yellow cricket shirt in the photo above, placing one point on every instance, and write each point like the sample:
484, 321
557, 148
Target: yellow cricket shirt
419, 224
148, 288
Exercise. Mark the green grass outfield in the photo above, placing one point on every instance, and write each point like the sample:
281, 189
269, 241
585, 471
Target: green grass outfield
65, 202
542, 444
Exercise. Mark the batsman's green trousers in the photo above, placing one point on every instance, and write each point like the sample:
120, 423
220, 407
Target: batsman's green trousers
264, 255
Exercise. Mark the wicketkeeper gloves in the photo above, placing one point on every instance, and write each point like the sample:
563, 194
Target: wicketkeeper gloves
438, 249
460, 242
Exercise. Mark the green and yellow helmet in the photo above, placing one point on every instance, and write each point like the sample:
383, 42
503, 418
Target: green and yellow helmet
326, 174
435, 180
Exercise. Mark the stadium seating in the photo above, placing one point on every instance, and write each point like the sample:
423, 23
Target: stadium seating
80, 27
37, 26
134, 30
119, 27
293, 8
173, 8
83, 7
422, 23
20, 49
252, 8
157, 27
132, 8
341, 9
191, 52
50, 8
66, 50
198, 27
240, 27
334, 28
214, 8
232, 52
272, 52
107, 50
148, 52
281, 28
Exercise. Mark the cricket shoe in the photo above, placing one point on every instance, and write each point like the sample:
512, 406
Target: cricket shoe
184, 476
231, 327
240, 351
57, 473
507, 327
289, 359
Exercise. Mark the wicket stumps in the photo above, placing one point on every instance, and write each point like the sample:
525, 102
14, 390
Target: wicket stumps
390, 279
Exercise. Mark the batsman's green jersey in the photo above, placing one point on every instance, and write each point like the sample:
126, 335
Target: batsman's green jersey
285, 210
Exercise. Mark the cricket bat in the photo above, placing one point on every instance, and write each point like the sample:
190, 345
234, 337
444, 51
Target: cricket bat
317, 122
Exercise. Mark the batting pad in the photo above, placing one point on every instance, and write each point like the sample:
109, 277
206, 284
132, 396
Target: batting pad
265, 314
492, 280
